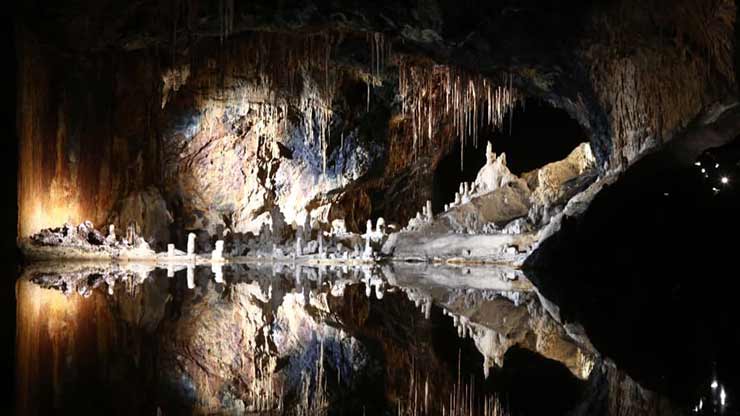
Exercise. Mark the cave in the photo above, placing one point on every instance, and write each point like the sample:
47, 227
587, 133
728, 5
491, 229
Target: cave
411, 208
534, 135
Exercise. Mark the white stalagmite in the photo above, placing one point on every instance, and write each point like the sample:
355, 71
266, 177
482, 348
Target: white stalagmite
380, 226
457, 198
170, 250
321, 243
218, 253
112, 231
494, 174
191, 244
298, 248
369, 228
447, 207
430, 215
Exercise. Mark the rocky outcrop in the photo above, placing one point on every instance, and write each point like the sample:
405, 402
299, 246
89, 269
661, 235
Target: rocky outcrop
147, 211
84, 242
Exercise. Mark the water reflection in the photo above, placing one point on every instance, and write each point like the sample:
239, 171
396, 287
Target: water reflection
407, 339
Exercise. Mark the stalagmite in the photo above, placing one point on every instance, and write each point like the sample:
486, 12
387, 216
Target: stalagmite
457, 198
380, 226
298, 248
369, 227
191, 244
494, 174
430, 215
218, 253
170, 250
111, 238
321, 243
131, 233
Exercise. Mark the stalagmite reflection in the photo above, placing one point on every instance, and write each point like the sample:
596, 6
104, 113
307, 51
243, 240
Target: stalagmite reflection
282, 337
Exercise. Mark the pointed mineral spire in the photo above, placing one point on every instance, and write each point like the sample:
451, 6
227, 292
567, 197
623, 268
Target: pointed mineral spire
191, 244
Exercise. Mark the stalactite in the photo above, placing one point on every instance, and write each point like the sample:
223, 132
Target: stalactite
380, 53
226, 9
433, 93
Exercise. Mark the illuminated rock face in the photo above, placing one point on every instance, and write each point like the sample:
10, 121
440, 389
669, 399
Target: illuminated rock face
292, 113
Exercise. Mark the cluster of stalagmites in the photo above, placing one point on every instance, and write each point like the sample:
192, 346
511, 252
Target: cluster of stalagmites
276, 239
479, 207
86, 237
492, 176
544, 192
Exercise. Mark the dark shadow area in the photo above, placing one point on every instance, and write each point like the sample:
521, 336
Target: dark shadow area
536, 134
650, 271
448, 175
9, 257
527, 375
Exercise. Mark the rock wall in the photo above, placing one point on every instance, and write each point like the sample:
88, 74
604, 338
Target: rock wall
227, 124
85, 132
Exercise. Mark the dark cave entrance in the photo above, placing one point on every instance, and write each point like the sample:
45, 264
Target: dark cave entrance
537, 134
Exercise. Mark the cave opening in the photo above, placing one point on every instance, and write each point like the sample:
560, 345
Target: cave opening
534, 135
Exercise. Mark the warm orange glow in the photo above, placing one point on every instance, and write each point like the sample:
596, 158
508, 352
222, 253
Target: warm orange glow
46, 217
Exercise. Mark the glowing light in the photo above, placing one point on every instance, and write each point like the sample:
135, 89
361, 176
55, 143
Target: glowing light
722, 397
701, 404
725, 180
45, 216
714, 384
716, 165
703, 170
697, 163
